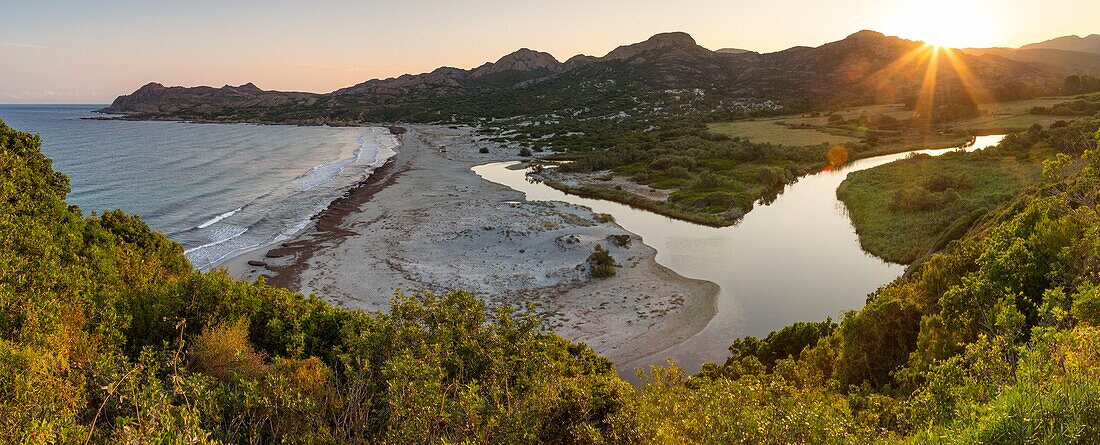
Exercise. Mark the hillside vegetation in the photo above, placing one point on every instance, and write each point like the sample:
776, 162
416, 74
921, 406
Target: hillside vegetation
905, 209
636, 116
650, 78
107, 335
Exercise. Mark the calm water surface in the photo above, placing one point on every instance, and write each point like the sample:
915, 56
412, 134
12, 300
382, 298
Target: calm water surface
796, 259
217, 189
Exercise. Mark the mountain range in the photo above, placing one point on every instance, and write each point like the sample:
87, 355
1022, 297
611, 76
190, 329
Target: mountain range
1088, 44
1069, 54
652, 76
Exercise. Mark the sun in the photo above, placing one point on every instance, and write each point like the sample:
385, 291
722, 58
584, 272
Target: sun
942, 23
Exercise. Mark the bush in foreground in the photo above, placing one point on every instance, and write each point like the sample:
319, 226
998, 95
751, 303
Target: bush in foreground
108, 336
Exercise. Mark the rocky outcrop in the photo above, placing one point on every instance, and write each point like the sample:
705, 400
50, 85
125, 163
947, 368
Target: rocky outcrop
672, 45
580, 60
524, 60
154, 98
441, 82
448, 81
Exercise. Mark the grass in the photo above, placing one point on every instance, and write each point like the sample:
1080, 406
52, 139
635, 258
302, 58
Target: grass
805, 129
805, 139
1011, 116
641, 202
910, 142
778, 131
907, 208
736, 186
1007, 124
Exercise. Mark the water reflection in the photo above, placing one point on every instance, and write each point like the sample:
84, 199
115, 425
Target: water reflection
792, 258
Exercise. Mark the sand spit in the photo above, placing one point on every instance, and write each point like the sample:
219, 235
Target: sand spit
426, 222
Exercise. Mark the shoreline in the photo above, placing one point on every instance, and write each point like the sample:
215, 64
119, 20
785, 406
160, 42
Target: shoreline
337, 208
324, 226
433, 225
136, 117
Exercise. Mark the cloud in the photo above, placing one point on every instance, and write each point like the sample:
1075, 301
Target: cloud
24, 45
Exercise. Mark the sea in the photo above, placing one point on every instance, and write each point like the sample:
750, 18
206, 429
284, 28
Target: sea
217, 189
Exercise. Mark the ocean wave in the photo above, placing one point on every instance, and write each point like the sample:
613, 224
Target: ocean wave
215, 219
279, 214
388, 143
328, 171
220, 236
293, 229
227, 241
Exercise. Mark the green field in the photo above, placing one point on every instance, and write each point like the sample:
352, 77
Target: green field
713, 173
904, 209
778, 131
806, 129
1011, 116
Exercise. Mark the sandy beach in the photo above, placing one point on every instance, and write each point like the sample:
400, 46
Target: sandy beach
426, 222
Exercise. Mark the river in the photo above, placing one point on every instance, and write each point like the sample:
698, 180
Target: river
795, 259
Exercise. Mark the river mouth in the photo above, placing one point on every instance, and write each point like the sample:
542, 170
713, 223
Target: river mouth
793, 259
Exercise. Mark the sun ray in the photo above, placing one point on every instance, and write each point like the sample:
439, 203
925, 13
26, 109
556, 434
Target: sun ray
926, 98
931, 92
882, 76
970, 83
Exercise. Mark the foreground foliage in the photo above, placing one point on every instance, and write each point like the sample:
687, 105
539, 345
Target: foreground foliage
993, 340
107, 335
905, 209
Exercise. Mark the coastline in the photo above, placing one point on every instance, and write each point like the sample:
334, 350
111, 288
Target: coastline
325, 226
433, 225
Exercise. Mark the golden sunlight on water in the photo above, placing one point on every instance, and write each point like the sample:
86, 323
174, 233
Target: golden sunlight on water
795, 259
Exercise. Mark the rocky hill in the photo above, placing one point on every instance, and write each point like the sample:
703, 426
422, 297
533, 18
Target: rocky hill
510, 70
154, 98
643, 77
1087, 44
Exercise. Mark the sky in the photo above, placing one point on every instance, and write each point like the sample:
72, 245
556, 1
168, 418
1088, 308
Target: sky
92, 51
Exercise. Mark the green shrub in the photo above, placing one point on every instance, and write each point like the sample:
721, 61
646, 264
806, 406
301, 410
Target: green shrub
678, 172
1086, 305
225, 352
600, 263
710, 181
784, 343
622, 241
942, 181
108, 336
913, 199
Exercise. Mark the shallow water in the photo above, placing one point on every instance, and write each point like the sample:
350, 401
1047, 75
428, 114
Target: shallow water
218, 189
795, 259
